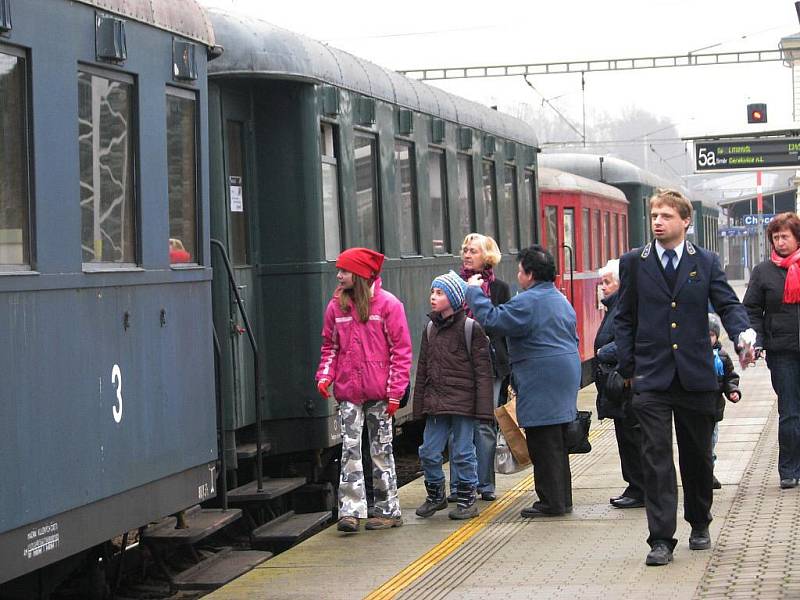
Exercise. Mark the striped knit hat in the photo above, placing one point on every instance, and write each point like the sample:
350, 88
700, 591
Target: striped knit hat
453, 287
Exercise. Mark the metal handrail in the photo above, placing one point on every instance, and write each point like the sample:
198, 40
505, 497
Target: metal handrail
571, 274
254, 346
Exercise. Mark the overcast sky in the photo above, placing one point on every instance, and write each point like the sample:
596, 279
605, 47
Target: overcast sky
698, 100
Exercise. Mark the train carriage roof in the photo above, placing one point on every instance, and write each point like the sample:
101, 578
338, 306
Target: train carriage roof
184, 17
615, 170
557, 180
257, 48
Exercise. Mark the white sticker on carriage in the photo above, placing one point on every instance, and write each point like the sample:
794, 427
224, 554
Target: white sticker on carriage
41, 540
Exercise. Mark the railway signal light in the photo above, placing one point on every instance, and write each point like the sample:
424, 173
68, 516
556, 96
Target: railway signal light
757, 113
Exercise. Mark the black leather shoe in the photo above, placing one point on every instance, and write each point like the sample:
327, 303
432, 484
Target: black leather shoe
615, 498
659, 555
488, 496
790, 482
626, 502
699, 539
716, 484
533, 513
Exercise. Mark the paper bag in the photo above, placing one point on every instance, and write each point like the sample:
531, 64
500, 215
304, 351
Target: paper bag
506, 416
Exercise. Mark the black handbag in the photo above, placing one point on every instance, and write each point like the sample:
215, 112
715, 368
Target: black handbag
576, 437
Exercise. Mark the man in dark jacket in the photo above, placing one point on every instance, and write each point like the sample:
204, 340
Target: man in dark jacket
664, 351
626, 427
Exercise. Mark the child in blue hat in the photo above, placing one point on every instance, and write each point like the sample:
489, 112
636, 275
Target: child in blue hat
452, 390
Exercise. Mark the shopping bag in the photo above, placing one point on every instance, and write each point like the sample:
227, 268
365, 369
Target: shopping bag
504, 461
506, 416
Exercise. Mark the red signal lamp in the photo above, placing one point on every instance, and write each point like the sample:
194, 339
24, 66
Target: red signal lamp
757, 113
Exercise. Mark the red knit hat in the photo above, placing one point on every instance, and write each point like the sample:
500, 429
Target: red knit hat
363, 262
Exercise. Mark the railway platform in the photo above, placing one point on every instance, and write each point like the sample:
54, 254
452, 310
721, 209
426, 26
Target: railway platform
596, 552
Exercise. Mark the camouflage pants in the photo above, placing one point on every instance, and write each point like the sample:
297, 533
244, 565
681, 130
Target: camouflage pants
352, 497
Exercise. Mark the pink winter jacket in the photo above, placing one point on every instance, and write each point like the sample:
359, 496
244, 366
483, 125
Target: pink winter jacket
366, 361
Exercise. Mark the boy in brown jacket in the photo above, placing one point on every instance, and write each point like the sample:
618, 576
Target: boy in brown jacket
453, 388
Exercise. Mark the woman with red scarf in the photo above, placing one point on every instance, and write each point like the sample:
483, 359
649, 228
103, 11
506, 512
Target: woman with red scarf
773, 304
479, 255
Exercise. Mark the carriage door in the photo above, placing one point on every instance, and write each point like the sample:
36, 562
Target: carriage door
238, 149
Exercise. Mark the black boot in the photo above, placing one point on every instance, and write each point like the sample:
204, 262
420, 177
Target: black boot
435, 501
466, 507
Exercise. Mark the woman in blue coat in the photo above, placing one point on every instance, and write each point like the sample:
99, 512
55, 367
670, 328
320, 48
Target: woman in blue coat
540, 326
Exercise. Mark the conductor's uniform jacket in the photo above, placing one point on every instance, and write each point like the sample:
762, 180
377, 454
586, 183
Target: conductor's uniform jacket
662, 335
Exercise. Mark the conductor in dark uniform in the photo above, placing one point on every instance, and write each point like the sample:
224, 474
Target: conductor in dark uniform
664, 352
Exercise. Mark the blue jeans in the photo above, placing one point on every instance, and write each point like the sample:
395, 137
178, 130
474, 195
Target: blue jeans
438, 429
485, 440
784, 369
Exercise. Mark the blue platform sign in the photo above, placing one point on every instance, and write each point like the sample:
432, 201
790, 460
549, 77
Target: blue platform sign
764, 219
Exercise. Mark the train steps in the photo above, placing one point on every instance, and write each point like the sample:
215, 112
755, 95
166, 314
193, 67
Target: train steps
272, 488
288, 529
219, 569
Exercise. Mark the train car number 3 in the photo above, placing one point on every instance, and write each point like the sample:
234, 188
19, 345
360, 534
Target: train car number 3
116, 380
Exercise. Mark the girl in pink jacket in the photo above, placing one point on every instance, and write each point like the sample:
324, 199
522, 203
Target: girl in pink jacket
366, 354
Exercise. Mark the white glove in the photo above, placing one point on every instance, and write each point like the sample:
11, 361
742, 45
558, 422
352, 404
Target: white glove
747, 338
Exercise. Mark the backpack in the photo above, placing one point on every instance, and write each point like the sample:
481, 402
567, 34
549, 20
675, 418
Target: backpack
469, 325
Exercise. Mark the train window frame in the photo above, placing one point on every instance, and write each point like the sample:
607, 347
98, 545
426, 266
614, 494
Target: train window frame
615, 250
466, 159
25, 156
368, 134
568, 215
187, 94
490, 208
439, 153
332, 243
624, 232
508, 214
411, 209
606, 225
586, 261
597, 255
551, 234
135, 149
529, 181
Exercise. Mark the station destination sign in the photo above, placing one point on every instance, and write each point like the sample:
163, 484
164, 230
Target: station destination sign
763, 218
752, 153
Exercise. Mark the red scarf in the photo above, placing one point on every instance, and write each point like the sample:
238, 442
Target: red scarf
488, 278
791, 289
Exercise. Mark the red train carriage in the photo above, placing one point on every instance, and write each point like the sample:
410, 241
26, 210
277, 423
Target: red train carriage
584, 223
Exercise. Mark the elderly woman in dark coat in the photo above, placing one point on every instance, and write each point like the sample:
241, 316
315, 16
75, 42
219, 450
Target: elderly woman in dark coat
540, 326
626, 426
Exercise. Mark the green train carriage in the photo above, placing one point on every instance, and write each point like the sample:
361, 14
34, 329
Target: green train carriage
312, 151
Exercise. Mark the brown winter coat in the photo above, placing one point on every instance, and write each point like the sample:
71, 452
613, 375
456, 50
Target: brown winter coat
449, 382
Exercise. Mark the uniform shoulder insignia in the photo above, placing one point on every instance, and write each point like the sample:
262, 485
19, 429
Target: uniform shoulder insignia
646, 250
690, 247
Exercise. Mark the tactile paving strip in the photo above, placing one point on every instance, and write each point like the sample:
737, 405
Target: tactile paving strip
756, 554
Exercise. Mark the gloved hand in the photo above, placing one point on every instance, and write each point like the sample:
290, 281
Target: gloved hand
322, 388
747, 338
394, 404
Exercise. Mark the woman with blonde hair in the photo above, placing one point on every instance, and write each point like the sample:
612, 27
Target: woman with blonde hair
479, 255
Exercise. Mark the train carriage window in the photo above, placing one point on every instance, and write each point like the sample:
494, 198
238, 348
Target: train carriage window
606, 238
551, 231
437, 179
489, 199
569, 240
530, 188
366, 230
405, 206
623, 236
182, 175
586, 265
14, 157
509, 213
466, 195
614, 236
106, 148
330, 190
598, 260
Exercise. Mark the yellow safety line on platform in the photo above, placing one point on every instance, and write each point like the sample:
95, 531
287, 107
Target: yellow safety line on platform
455, 540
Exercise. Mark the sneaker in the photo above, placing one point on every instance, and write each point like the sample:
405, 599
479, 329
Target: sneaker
348, 524
384, 522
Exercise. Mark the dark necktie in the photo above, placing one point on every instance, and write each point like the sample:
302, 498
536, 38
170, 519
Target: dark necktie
669, 269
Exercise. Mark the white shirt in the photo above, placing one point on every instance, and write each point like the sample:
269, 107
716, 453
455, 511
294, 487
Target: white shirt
678, 253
